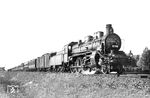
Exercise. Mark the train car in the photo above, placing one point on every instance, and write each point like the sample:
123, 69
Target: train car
46, 59
56, 61
20, 68
26, 66
12, 69
38, 66
42, 63
32, 65
17, 68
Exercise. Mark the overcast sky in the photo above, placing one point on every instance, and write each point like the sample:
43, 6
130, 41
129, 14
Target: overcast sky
30, 28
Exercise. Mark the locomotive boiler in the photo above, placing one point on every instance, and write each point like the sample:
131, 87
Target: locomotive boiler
100, 52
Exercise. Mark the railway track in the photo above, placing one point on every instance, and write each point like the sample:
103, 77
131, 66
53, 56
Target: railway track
139, 75
126, 74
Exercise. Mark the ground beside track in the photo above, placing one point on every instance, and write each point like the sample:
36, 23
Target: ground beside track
65, 85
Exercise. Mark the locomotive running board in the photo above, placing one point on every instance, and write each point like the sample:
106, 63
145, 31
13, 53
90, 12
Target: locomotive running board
81, 53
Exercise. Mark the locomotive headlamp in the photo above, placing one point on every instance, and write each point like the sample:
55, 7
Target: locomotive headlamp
114, 46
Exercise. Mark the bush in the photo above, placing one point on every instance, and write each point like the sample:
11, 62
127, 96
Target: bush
144, 61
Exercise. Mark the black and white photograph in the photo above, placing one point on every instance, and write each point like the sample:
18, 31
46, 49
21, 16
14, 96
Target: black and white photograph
74, 49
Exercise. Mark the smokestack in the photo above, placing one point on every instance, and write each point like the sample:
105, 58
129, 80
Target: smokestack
109, 29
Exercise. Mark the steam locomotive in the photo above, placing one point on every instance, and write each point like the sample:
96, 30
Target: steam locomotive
99, 52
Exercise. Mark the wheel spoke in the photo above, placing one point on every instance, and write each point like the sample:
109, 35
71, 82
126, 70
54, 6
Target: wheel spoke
78, 64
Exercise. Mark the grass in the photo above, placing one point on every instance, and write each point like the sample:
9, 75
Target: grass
65, 85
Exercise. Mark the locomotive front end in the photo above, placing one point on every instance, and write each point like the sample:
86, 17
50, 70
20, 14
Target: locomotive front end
112, 43
112, 57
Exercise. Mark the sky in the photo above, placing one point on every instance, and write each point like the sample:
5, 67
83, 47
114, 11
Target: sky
31, 28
